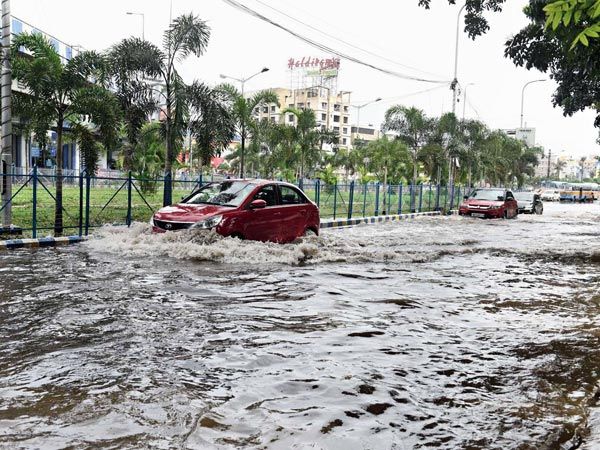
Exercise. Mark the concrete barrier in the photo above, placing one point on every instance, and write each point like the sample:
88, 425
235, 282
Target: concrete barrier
41, 242
334, 223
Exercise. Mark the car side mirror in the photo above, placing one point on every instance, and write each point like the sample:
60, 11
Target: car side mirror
257, 204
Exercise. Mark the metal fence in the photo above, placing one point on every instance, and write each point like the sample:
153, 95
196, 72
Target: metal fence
93, 201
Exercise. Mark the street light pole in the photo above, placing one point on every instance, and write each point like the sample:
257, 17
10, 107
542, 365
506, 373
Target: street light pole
454, 83
6, 117
358, 108
242, 81
129, 13
523, 96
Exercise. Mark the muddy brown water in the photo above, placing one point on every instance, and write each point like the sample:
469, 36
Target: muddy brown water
438, 333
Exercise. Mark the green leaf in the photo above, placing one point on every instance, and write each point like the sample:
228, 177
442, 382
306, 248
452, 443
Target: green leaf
556, 21
577, 16
584, 39
567, 18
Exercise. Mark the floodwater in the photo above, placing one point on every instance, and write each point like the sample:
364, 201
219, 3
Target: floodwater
437, 333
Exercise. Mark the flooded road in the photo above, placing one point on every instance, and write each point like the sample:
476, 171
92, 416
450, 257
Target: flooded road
437, 333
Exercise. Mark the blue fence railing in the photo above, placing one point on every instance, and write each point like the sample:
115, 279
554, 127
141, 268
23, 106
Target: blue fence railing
93, 201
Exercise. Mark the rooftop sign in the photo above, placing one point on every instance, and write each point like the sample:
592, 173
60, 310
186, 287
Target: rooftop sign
307, 62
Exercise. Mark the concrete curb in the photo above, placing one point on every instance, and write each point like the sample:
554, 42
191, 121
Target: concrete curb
41, 242
375, 219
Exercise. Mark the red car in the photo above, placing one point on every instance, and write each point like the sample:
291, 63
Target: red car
490, 203
248, 209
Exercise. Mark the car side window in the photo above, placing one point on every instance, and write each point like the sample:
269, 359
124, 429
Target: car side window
268, 194
290, 196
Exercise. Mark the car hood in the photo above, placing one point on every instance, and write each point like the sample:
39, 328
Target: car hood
474, 202
189, 213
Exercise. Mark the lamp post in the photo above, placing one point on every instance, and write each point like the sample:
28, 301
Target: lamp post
358, 108
523, 96
242, 81
130, 13
454, 83
465, 99
6, 159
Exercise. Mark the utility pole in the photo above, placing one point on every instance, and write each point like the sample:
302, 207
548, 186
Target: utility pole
454, 87
549, 161
6, 116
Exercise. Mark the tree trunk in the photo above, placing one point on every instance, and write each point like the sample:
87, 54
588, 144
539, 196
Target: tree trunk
58, 212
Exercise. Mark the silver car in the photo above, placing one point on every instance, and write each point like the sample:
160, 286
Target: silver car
529, 203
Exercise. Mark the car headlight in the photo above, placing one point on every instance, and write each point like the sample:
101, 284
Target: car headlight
207, 224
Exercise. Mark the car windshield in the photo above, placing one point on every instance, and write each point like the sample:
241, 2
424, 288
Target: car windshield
524, 196
225, 193
486, 194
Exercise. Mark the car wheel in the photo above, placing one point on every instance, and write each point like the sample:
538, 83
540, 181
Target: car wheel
309, 233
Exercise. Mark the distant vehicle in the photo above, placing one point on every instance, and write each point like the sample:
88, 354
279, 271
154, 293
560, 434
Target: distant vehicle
489, 203
551, 195
248, 209
577, 196
529, 203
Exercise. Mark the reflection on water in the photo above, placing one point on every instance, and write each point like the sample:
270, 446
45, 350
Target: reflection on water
441, 333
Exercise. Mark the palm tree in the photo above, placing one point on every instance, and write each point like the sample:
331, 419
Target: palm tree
187, 35
243, 108
210, 120
558, 166
308, 137
131, 63
410, 126
58, 92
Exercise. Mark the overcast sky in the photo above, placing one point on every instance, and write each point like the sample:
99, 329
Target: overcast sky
413, 41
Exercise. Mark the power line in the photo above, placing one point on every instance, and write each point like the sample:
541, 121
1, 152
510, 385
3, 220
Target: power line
393, 99
326, 48
342, 40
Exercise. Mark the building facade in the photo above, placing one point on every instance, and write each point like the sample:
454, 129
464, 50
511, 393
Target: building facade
332, 111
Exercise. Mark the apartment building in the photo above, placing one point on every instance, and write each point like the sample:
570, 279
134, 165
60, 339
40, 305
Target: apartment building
332, 110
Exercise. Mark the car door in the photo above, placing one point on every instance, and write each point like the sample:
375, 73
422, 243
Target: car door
264, 224
294, 210
511, 205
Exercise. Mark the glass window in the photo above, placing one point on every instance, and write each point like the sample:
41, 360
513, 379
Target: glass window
265, 109
324, 105
488, 194
323, 116
267, 194
290, 118
273, 108
225, 193
345, 130
343, 141
346, 119
17, 26
336, 118
290, 196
